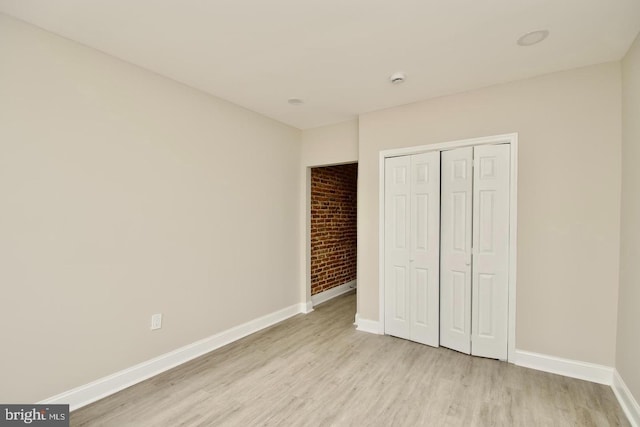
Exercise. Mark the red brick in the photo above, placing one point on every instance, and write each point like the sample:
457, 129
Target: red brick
333, 226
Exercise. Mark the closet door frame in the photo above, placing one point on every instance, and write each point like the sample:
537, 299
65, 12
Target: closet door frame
512, 140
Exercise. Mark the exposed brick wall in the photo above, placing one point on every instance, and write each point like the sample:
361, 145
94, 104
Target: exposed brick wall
333, 226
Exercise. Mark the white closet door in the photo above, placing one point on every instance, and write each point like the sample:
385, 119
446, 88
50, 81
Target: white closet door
490, 251
397, 246
424, 257
412, 232
455, 261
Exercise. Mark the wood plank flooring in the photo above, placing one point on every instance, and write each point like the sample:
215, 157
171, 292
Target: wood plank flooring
317, 370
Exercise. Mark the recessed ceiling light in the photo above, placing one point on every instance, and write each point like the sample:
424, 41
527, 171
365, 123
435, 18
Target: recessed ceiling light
295, 101
533, 37
397, 78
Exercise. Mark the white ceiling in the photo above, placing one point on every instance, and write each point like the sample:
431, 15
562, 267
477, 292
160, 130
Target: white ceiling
338, 54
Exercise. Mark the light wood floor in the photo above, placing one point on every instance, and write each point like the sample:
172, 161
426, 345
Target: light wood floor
317, 370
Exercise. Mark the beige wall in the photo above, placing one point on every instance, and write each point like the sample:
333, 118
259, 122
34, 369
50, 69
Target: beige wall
322, 146
628, 343
125, 194
329, 145
568, 198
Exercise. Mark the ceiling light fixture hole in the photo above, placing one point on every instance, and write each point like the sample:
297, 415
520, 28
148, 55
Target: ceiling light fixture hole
533, 37
295, 101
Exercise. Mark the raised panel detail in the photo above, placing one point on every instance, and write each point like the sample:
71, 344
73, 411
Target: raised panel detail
459, 170
400, 175
490, 284
458, 301
455, 252
486, 284
422, 173
422, 222
411, 247
486, 221
487, 167
459, 221
422, 296
400, 283
400, 221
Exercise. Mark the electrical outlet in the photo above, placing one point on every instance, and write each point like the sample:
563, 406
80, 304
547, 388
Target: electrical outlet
156, 321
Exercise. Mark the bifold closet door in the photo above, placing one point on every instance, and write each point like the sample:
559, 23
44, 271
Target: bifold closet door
490, 281
412, 247
475, 250
455, 255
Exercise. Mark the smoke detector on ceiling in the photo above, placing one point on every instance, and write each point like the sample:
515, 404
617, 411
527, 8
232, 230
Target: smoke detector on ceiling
397, 78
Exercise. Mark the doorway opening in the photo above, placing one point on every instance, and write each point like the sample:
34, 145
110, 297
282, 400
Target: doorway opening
333, 231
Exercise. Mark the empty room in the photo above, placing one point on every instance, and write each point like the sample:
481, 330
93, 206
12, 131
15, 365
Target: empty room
320, 213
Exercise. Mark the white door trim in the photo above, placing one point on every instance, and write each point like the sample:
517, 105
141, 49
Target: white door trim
512, 139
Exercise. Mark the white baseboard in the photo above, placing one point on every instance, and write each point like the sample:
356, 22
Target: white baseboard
366, 325
569, 368
306, 307
333, 292
625, 398
103, 387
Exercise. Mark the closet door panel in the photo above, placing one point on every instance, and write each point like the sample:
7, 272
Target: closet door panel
490, 283
397, 246
455, 261
424, 257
